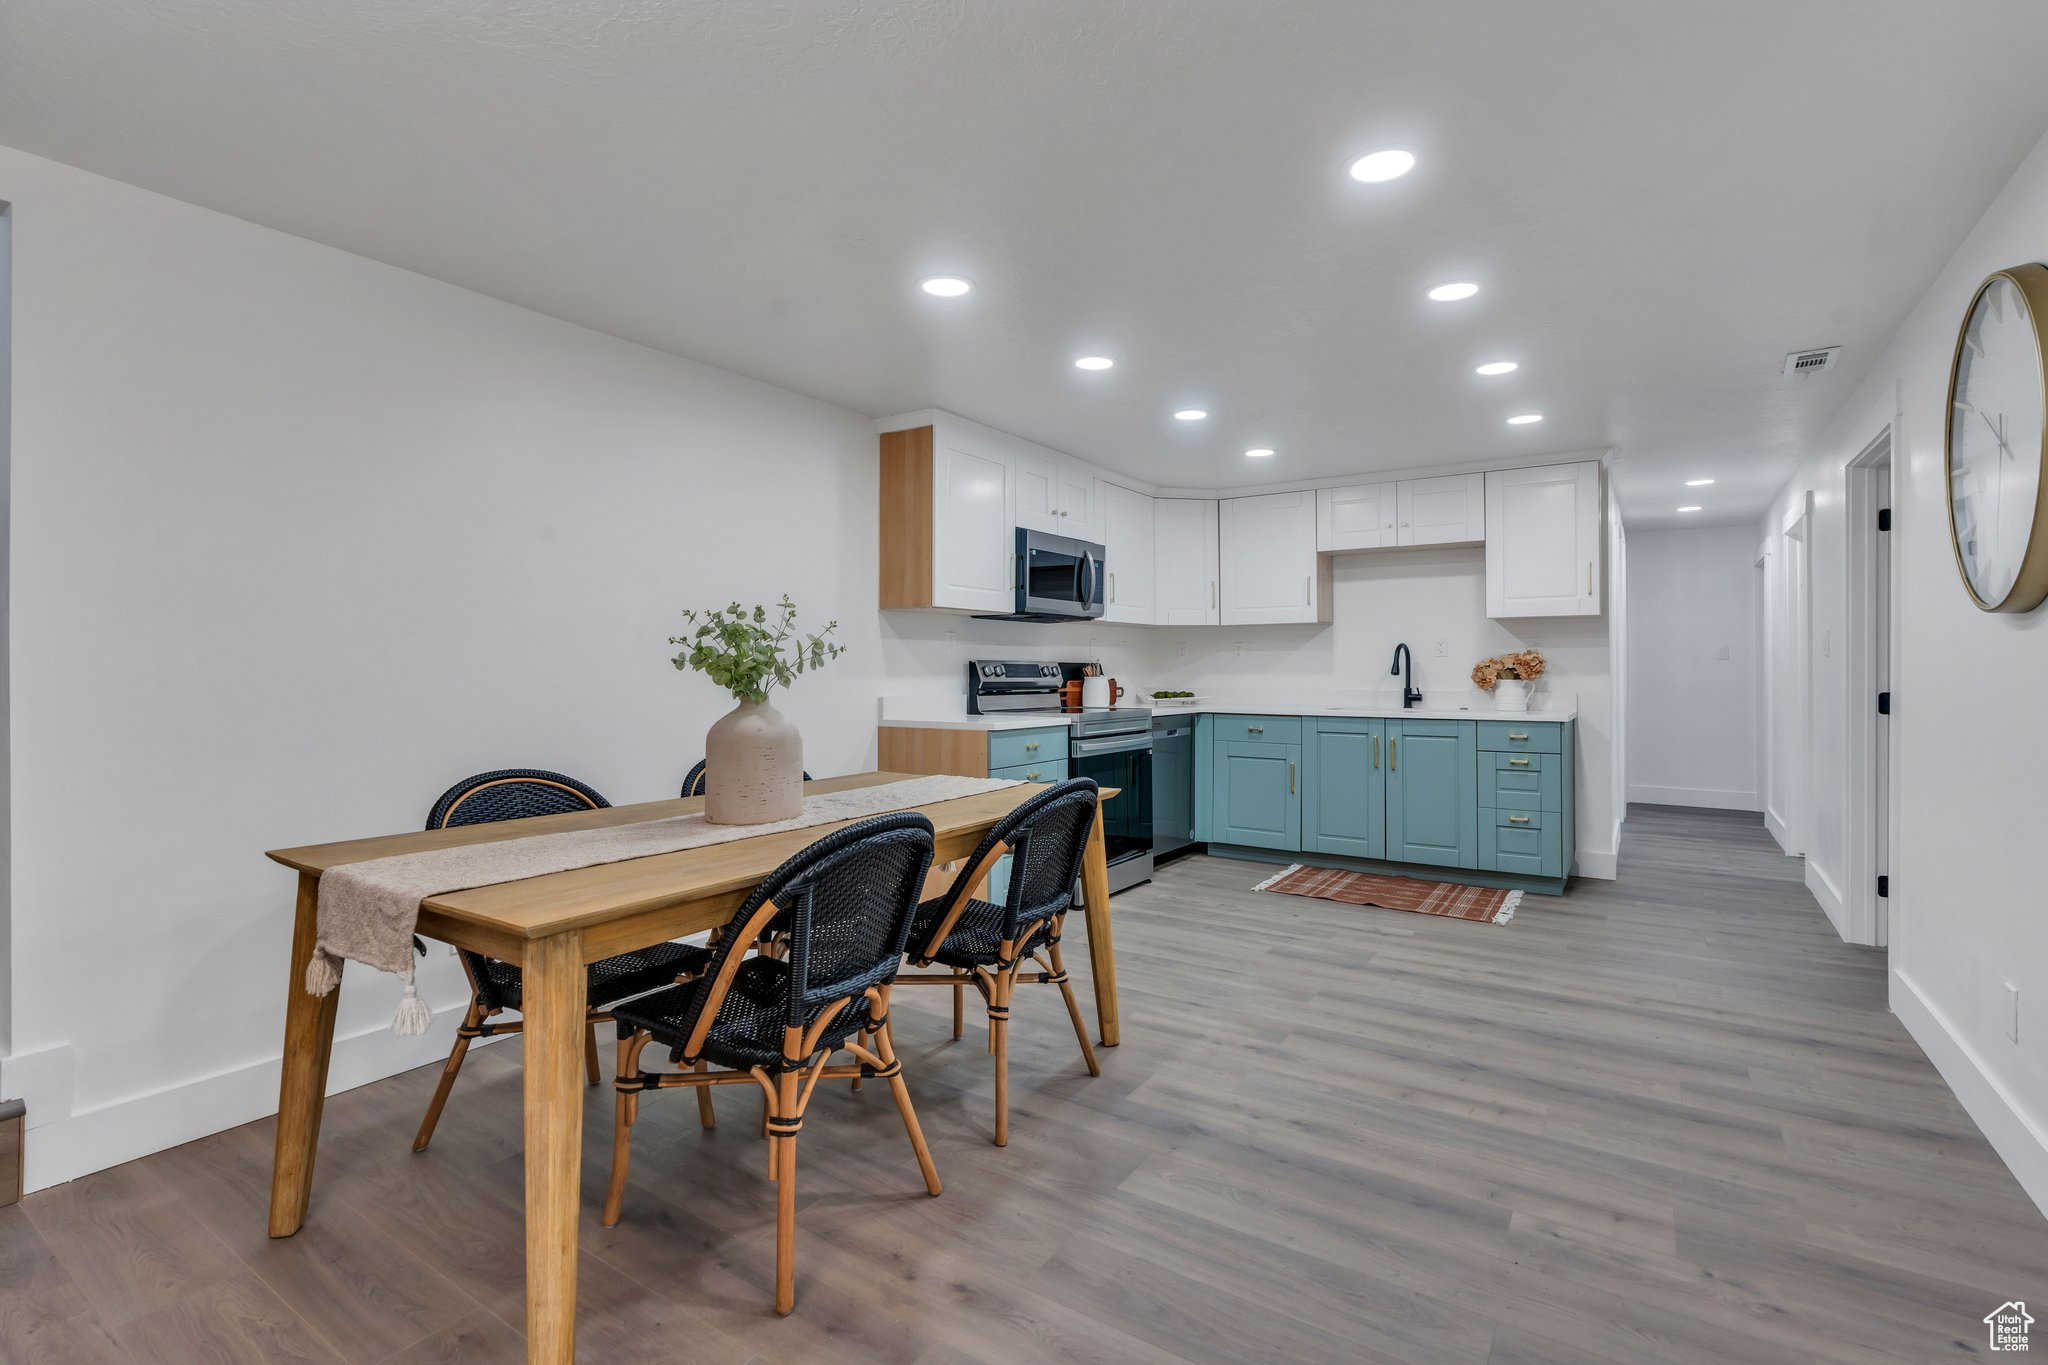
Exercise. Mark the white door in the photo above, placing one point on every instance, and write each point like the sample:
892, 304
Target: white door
1543, 541
1127, 539
1357, 517
1038, 495
1078, 514
1267, 555
973, 547
1446, 511
1186, 579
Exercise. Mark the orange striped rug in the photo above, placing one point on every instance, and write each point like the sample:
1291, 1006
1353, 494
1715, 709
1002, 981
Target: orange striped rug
1483, 903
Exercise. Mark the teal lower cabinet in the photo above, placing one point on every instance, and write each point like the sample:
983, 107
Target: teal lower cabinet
1342, 809
1432, 793
1492, 798
1257, 802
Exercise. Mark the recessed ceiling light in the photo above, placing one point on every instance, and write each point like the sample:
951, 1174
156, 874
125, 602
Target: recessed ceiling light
1260, 453
1190, 415
1697, 483
1689, 509
945, 286
1497, 367
1390, 164
1451, 293
1524, 419
1093, 362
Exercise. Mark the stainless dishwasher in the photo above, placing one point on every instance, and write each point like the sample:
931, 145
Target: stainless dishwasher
1173, 785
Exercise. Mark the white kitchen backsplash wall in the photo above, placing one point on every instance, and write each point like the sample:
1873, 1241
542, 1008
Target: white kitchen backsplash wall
1424, 597
925, 654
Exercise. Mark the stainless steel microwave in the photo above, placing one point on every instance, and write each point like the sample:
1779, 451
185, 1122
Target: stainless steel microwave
1057, 578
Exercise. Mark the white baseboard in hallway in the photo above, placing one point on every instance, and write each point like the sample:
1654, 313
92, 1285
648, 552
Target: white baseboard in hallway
2019, 1138
1707, 798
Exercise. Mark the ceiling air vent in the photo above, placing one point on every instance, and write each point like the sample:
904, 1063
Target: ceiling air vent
1811, 362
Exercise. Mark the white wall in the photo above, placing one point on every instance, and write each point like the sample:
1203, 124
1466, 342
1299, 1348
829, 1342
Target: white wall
1966, 907
1692, 714
1381, 598
300, 539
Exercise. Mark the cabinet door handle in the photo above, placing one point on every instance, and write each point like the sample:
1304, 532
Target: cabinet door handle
1589, 578
1032, 745
1290, 779
1112, 587
1308, 588
1212, 592
1523, 738
1032, 775
1375, 751
1255, 729
1518, 763
1518, 819
1393, 757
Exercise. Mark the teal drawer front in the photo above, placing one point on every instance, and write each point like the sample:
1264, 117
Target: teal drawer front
1015, 748
1529, 852
1506, 762
1518, 817
1500, 736
1258, 729
1053, 770
1527, 788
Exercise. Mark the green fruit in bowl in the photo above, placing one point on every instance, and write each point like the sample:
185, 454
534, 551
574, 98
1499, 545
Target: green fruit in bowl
1166, 695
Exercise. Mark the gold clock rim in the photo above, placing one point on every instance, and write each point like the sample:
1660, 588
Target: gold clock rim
2030, 586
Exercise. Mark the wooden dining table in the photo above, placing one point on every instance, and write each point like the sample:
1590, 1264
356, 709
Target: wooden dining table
554, 925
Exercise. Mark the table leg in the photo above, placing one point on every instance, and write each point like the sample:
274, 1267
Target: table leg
308, 1039
1101, 952
553, 991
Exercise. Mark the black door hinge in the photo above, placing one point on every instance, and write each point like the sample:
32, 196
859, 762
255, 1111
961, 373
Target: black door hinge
1884, 887
1884, 703
1884, 518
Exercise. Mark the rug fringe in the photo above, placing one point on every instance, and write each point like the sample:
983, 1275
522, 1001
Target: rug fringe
1285, 871
1507, 909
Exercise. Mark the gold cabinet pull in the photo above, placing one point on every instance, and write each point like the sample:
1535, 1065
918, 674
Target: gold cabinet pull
1033, 744
1518, 762
1032, 775
1375, 751
1518, 819
1393, 758
1290, 779
1523, 738
1255, 729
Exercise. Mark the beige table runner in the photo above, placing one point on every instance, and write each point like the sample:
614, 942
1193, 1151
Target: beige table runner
368, 910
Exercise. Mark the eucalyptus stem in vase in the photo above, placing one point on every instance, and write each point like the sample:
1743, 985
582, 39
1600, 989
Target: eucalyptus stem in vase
753, 755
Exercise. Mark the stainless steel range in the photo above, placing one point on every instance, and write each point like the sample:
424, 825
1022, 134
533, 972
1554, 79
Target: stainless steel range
1112, 744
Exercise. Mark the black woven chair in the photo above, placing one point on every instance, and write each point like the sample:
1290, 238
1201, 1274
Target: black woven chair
844, 907
516, 794
989, 946
693, 785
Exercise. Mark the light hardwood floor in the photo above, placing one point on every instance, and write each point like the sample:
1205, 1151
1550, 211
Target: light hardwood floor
1666, 1119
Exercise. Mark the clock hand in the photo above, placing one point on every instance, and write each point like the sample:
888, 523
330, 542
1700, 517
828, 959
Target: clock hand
1996, 434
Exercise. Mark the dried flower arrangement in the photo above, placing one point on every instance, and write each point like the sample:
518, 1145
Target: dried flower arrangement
1524, 664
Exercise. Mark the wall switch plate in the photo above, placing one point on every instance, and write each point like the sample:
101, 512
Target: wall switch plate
1180, 651
952, 642
2012, 1011
1443, 649
1723, 654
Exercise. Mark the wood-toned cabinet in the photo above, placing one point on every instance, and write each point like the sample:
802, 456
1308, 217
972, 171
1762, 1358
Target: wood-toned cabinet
1130, 561
945, 534
1270, 571
1543, 541
1186, 576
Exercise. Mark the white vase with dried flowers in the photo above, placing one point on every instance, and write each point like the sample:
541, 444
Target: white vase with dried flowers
1511, 678
753, 756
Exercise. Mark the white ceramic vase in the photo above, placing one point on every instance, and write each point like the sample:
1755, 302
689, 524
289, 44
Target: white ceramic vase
1511, 694
753, 767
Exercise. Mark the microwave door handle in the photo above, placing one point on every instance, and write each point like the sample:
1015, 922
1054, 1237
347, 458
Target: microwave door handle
1084, 576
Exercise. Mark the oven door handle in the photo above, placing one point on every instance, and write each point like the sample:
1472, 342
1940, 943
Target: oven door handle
1120, 744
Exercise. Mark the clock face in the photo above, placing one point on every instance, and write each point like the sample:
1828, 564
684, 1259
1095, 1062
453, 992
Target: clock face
1995, 444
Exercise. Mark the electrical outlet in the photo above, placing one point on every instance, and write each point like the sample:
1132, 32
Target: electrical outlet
1443, 649
1180, 651
1723, 654
952, 642
2012, 1011
1240, 649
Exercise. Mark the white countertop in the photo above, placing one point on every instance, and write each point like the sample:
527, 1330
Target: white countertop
940, 713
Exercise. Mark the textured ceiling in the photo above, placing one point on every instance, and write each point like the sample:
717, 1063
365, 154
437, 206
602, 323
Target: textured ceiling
1659, 199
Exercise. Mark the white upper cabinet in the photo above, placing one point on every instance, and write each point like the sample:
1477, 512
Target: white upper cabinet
1056, 498
1187, 586
1446, 511
973, 550
1543, 541
1128, 559
1357, 517
1267, 556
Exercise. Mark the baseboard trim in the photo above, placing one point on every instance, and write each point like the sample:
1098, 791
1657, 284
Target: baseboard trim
1601, 866
2019, 1138
78, 1144
1707, 798
1824, 890
1777, 830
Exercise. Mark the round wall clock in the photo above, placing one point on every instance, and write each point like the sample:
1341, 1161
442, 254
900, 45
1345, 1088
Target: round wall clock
1997, 446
